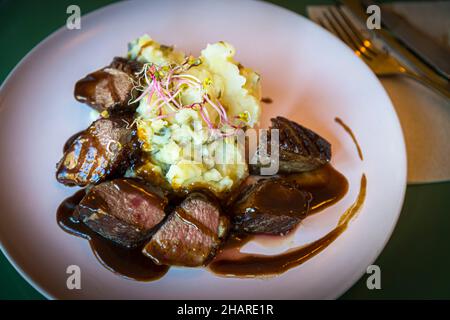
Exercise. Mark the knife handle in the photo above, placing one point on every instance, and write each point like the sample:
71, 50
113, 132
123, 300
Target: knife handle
442, 89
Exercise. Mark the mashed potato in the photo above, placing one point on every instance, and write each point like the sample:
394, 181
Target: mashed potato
189, 113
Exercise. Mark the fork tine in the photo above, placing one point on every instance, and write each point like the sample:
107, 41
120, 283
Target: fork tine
353, 34
356, 44
333, 27
356, 33
322, 24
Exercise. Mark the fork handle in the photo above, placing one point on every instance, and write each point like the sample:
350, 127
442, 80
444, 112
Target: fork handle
443, 90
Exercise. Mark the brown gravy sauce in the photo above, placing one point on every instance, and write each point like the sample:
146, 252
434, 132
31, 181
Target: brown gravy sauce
326, 185
266, 100
130, 263
85, 89
352, 135
71, 140
231, 262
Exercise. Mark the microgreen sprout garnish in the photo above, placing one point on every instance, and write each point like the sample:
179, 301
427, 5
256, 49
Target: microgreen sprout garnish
113, 142
163, 86
130, 125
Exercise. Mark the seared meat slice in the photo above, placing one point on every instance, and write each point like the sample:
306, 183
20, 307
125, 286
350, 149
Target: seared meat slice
106, 148
110, 88
270, 206
191, 234
301, 149
122, 210
131, 67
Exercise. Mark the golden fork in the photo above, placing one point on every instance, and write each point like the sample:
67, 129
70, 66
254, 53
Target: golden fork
382, 64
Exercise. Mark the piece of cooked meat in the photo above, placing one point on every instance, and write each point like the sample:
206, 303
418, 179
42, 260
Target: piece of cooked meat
103, 150
128, 66
122, 210
301, 149
270, 206
109, 89
190, 235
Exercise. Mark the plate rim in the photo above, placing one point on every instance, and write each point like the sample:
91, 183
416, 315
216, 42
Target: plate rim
62, 29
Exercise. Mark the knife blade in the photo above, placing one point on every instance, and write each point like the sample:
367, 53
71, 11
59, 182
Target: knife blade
425, 47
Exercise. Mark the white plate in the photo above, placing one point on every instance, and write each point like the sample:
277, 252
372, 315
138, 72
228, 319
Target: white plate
311, 77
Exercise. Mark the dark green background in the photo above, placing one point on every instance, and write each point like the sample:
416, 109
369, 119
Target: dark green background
414, 264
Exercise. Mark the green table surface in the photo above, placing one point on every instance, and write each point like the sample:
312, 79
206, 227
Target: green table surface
415, 263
